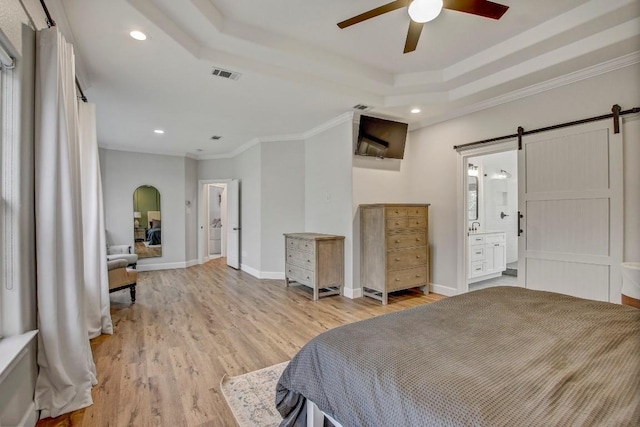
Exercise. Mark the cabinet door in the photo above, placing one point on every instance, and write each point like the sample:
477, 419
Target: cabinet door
496, 257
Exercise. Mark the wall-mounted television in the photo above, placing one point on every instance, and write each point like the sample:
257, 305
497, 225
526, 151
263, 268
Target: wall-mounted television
381, 138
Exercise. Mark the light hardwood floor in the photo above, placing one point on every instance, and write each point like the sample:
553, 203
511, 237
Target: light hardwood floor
188, 328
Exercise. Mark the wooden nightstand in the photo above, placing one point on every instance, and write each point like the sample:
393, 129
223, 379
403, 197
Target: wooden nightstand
139, 234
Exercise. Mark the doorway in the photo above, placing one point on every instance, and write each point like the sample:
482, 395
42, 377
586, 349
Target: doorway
491, 223
488, 206
219, 221
215, 233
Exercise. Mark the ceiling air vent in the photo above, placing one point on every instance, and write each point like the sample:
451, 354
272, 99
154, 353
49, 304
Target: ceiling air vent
219, 72
361, 107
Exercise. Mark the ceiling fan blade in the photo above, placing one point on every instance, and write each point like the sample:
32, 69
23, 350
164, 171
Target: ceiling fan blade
373, 13
485, 8
413, 35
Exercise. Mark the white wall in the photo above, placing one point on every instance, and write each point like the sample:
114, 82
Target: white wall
328, 189
435, 176
122, 173
282, 201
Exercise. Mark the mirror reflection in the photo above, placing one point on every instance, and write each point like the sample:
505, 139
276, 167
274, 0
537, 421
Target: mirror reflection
472, 183
147, 224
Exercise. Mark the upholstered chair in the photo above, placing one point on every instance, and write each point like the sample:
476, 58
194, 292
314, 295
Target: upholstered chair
122, 278
126, 252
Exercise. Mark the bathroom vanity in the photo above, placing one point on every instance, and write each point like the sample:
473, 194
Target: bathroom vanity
487, 255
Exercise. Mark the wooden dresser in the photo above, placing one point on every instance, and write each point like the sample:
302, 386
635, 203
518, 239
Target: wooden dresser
315, 260
394, 251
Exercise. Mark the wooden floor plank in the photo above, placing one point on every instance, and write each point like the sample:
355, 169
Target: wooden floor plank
189, 328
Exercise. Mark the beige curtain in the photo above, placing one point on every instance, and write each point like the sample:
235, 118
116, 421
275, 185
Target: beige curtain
68, 246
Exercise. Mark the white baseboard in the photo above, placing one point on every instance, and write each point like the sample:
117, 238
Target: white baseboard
443, 290
273, 275
352, 293
165, 266
252, 271
191, 263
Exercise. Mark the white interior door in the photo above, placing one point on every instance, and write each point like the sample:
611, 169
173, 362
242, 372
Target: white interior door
233, 219
570, 198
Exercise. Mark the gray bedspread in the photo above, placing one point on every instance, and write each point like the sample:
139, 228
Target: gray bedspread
495, 357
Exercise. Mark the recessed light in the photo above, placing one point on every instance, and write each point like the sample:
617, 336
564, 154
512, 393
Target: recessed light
138, 35
415, 111
199, 150
159, 131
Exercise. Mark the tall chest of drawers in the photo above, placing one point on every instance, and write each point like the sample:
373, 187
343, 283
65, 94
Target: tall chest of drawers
315, 260
394, 248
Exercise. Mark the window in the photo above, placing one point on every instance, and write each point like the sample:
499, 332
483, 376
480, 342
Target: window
8, 115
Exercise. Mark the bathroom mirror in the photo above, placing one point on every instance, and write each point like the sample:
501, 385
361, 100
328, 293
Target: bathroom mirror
472, 187
147, 223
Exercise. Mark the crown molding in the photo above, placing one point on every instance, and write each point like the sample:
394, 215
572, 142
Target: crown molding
169, 153
584, 74
342, 118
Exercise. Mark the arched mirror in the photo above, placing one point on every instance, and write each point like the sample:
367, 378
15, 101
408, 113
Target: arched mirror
147, 223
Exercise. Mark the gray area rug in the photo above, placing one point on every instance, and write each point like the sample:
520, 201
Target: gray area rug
251, 396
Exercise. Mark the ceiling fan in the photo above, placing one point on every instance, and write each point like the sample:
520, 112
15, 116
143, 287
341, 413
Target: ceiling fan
422, 11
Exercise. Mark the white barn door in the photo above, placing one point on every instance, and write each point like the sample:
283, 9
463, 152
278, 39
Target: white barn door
233, 219
570, 198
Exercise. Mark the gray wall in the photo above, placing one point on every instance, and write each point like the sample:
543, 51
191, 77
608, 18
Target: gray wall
282, 199
191, 210
328, 188
122, 173
271, 176
248, 167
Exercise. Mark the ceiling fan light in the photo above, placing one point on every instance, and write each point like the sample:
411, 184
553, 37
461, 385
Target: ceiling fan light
422, 11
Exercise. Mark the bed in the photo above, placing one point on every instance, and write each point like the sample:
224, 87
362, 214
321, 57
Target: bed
154, 232
501, 356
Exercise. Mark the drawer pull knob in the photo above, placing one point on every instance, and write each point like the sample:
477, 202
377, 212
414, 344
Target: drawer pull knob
289, 256
396, 211
417, 256
397, 241
417, 276
397, 279
479, 253
497, 244
397, 223
417, 222
397, 259
289, 271
307, 277
308, 260
418, 239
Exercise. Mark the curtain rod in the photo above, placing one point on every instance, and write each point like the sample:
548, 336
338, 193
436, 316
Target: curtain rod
615, 114
52, 23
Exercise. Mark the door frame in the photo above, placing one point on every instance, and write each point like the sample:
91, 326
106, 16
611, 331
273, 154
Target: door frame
462, 234
203, 185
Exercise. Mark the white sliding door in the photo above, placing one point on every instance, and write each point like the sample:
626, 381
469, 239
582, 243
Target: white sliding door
233, 230
570, 198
